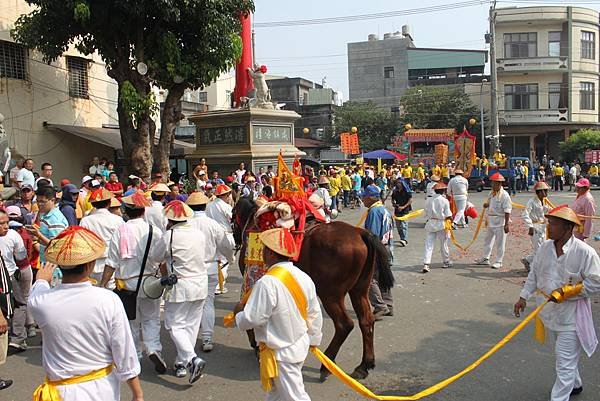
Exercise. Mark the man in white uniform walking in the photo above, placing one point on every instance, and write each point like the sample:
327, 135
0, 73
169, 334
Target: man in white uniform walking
88, 349
437, 212
154, 213
458, 188
533, 217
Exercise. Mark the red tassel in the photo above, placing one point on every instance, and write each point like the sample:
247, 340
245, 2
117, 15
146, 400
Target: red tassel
176, 207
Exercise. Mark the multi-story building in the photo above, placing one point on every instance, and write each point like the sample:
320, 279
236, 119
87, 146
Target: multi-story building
382, 70
548, 76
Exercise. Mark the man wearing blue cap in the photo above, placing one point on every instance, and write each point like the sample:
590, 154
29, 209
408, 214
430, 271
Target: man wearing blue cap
378, 222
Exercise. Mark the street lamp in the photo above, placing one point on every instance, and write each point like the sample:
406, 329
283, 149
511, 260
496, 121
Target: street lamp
354, 130
482, 123
305, 131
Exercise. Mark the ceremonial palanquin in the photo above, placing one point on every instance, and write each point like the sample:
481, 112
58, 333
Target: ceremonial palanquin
464, 152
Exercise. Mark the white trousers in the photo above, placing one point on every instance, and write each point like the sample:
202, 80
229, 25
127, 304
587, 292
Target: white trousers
182, 320
494, 237
461, 206
288, 385
146, 326
567, 350
208, 315
430, 240
536, 241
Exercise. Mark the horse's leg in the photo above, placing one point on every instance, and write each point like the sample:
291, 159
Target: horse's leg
362, 307
336, 309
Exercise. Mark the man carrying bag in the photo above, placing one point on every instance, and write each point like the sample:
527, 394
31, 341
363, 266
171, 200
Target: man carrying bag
128, 260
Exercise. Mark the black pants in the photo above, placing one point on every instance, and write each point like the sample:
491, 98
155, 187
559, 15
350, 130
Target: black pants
558, 183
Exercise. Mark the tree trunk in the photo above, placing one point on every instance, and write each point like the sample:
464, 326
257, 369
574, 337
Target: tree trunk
171, 115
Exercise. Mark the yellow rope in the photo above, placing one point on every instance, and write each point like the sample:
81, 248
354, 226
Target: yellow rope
479, 224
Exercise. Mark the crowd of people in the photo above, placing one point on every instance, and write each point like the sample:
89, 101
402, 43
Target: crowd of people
103, 234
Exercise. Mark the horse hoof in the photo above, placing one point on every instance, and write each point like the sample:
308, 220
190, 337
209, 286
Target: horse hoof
324, 375
359, 374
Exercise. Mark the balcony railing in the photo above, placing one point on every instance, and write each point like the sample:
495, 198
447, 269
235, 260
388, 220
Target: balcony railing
533, 116
532, 64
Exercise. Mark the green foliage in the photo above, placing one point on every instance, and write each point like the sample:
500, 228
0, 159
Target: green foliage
439, 107
376, 125
137, 105
575, 146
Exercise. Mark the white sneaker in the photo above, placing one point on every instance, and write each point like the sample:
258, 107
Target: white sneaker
482, 262
497, 265
207, 345
425, 269
447, 265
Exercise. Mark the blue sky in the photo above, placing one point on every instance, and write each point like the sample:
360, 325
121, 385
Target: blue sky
315, 51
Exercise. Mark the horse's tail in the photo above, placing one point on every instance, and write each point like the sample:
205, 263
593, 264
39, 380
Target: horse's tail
382, 256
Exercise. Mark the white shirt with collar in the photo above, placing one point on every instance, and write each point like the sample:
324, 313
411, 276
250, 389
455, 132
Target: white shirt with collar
188, 250
580, 262
218, 247
458, 187
221, 212
155, 215
103, 223
499, 204
437, 209
429, 190
534, 215
12, 249
85, 328
128, 269
272, 313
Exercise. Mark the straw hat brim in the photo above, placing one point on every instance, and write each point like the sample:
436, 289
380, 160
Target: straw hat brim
69, 252
271, 239
564, 213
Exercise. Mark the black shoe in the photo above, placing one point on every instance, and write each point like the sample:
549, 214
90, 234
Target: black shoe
577, 390
5, 383
159, 363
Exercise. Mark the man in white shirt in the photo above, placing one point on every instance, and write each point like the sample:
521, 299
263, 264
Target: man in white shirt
437, 211
239, 174
219, 251
249, 189
14, 172
45, 175
278, 324
434, 179
96, 167
154, 213
124, 259
220, 209
102, 223
458, 188
499, 207
25, 175
533, 217
568, 271
88, 349
15, 259
572, 176
184, 302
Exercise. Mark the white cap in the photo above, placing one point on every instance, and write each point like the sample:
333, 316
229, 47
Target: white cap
95, 183
86, 179
131, 177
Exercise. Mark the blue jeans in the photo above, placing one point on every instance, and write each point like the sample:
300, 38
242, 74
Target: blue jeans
402, 227
346, 198
334, 201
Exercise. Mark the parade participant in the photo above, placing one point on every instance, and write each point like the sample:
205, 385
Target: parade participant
184, 303
249, 188
533, 217
102, 223
113, 184
220, 209
157, 178
526, 175
219, 251
568, 270
572, 176
87, 349
437, 170
127, 255
558, 172
445, 172
584, 205
356, 187
401, 201
15, 259
322, 191
485, 165
284, 331
115, 207
420, 178
378, 222
499, 207
437, 212
458, 188
407, 173
335, 185
154, 213
382, 184
68, 203
6, 312
434, 179
346, 183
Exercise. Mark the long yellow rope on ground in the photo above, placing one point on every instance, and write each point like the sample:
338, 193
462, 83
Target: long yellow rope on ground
359, 388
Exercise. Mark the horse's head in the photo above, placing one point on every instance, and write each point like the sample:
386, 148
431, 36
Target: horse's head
243, 211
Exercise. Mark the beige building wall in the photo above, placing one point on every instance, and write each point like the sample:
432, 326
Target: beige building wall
44, 98
219, 92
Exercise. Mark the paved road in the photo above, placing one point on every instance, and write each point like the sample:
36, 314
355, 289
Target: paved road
444, 320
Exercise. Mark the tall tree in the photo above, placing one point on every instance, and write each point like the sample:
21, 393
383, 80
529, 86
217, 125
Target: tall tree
438, 107
376, 125
576, 145
183, 43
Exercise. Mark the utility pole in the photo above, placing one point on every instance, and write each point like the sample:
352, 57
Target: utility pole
495, 131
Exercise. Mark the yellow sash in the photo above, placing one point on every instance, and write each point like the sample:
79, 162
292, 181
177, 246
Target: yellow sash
47, 391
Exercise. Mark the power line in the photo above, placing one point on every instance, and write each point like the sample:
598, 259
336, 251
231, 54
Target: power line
363, 17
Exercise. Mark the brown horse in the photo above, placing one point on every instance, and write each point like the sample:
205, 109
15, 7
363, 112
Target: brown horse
341, 259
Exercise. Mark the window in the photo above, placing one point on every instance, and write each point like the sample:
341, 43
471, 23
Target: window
203, 97
554, 44
388, 72
587, 97
78, 77
588, 45
13, 60
521, 97
517, 45
554, 96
